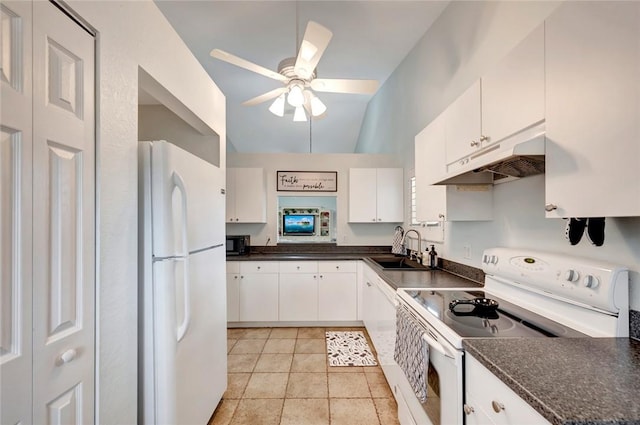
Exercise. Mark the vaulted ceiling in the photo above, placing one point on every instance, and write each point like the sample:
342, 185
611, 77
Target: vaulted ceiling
370, 39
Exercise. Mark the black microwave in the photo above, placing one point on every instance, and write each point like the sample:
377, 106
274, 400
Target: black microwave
238, 244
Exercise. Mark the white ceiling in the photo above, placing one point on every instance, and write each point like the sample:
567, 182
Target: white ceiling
370, 39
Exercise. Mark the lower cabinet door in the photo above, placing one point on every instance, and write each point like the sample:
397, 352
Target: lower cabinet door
259, 297
337, 296
298, 297
233, 297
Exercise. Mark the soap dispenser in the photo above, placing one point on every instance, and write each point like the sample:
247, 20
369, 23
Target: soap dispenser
433, 258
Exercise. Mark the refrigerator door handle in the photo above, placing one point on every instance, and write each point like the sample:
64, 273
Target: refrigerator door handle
182, 328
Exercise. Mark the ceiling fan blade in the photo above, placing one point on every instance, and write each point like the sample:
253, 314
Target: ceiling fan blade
315, 41
264, 97
242, 63
334, 85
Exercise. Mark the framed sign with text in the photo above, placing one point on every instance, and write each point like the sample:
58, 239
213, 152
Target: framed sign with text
307, 181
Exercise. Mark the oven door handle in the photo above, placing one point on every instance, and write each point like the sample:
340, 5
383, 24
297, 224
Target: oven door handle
437, 346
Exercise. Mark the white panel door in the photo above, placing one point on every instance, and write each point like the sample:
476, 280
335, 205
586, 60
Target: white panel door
64, 219
15, 213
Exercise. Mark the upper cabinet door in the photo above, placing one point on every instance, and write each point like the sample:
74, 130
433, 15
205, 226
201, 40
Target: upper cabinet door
462, 124
513, 91
390, 195
376, 195
246, 195
593, 110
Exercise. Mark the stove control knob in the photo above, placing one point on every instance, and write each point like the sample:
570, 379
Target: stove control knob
590, 281
572, 275
485, 259
494, 259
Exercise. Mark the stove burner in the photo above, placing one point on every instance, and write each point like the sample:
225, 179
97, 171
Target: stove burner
493, 322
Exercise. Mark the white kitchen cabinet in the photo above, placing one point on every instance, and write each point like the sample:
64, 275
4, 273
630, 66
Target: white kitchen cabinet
298, 299
508, 99
513, 91
462, 124
233, 291
593, 110
376, 195
337, 291
246, 195
489, 400
445, 203
258, 291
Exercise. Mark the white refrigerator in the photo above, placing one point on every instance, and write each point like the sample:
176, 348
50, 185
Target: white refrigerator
182, 287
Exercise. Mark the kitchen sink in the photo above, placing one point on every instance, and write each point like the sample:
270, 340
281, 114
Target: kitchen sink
399, 263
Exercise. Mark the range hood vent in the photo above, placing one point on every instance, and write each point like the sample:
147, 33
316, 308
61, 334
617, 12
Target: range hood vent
515, 167
513, 158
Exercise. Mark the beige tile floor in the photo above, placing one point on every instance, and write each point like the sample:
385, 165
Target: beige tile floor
281, 376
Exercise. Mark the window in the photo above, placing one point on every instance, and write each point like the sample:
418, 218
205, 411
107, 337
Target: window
414, 215
414, 209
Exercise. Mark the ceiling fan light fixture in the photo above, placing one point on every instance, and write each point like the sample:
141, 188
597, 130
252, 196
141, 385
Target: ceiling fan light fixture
277, 107
295, 97
317, 107
299, 115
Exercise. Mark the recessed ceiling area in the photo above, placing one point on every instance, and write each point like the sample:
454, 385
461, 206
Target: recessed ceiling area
370, 39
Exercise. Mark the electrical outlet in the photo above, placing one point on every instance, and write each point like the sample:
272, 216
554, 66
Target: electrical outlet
467, 251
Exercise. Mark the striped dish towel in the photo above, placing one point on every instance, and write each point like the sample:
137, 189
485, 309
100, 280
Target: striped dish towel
412, 352
397, 247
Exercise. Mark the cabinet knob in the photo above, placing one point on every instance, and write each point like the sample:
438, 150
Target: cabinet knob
497, 406
67, 356
468, 409
298, 267
373, 219
550, 207
441, 216
474, 143
337, 267
379, 219
235, 277
258, 267
369, 284
484, 138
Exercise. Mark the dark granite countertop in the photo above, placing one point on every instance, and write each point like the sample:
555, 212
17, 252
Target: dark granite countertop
569, 381
396, 279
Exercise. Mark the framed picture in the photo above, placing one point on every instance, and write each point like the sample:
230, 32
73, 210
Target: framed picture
307, 181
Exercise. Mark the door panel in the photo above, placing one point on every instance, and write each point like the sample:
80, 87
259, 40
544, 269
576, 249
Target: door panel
15, 213
63, 223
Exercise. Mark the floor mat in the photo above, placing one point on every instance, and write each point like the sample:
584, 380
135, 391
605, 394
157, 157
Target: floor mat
349, 348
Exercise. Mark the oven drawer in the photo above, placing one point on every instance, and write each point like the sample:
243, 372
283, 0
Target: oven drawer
494, 399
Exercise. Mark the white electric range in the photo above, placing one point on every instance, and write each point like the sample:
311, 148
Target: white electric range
526, 294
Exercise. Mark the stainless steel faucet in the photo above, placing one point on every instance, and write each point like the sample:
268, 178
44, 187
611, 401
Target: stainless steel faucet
418, 256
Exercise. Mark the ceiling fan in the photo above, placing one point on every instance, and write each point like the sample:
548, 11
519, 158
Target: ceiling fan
298, 74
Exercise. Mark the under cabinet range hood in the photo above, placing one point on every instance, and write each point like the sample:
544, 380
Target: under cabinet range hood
521, 155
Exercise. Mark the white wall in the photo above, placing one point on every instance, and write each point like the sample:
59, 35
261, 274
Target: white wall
131, 34
348, 234
460, 46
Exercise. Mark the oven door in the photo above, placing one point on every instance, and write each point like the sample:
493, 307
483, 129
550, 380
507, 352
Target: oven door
444, 394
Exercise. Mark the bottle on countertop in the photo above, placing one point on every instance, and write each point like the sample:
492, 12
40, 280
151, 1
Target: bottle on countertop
433, 258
